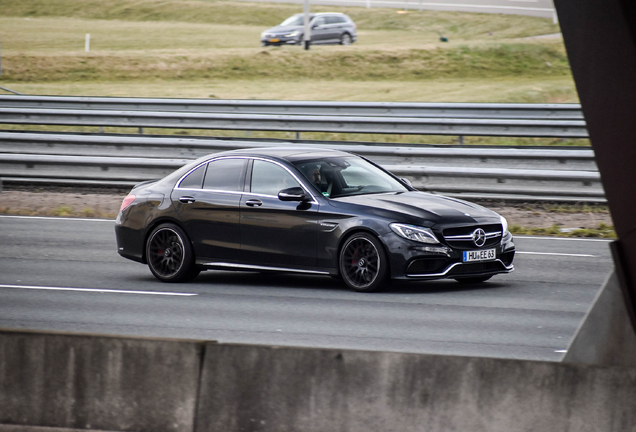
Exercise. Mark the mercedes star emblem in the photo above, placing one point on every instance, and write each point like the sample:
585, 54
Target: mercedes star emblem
479, 237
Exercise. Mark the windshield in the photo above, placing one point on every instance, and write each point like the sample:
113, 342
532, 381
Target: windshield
296, 20
347, 175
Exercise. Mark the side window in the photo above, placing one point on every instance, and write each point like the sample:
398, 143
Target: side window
340, 19
319, 21
194, 180
269, 178
225, 175
331, 19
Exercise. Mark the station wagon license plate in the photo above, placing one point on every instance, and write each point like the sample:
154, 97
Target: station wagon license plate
479, 255
274, 40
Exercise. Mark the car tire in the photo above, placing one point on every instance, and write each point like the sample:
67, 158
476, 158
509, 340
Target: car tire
169, 254
346, 39
473, 280
363, 263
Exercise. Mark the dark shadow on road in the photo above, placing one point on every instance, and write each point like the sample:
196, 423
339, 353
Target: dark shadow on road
296, 281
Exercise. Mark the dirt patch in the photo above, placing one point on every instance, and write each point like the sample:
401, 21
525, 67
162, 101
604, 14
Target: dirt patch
106, 204
540, 216
60, 204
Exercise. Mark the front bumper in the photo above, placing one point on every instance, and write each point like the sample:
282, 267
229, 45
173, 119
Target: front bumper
410, 260
281, 40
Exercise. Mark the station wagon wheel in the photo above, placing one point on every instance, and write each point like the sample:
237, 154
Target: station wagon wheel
345, 39
169, 254
363, 263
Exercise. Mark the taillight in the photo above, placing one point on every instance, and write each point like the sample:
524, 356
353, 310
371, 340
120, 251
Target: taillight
127, 201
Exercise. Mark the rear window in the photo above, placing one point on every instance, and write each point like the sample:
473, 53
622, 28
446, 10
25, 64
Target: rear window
225, 175
335, 19
194, 180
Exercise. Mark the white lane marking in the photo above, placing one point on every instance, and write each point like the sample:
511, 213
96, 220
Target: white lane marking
96, 290
561, 351
563, 238
558, 254
57, 218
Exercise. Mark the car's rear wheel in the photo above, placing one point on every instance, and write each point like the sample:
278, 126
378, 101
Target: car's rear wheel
169, 254
473, 280
363, 263
345, 39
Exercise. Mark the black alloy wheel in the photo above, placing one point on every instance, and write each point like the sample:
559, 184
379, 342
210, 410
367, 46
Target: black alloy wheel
345, 39
473, 280
169, 254
363, 263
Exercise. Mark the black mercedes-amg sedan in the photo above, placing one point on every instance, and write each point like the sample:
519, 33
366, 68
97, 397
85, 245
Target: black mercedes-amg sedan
311, 211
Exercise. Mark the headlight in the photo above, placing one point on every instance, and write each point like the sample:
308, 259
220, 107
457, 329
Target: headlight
415, 233
504, 226
292, 34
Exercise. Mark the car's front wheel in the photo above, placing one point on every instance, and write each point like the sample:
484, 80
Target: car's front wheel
363, 263
169, 254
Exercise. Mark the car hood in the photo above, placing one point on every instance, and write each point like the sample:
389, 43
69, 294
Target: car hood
422, 207
283, 29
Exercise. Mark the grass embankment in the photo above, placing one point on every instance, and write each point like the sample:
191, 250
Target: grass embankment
210, 49
216, 42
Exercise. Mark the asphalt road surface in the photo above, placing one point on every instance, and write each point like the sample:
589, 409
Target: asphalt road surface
65, 275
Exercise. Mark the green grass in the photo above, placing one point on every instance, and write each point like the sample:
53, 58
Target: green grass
488, 61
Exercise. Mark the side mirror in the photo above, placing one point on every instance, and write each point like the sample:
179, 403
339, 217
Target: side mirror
406, 181
293, 194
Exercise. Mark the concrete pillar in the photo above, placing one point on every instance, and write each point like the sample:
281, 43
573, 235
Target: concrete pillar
605, 337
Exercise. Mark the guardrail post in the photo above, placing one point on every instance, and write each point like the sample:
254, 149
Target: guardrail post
461, 139
297, 135
141, 131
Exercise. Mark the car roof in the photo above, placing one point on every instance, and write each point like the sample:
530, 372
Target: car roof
315, 14
290, 153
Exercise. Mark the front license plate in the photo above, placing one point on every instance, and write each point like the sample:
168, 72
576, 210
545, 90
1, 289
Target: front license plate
479, 255
274, 40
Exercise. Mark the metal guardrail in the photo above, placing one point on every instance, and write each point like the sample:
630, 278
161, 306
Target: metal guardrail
563, 174
307, 108
539, 174
296, 123
568, 158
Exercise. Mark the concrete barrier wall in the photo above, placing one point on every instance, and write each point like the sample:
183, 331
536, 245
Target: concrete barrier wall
108, 383
252, 388
127, 384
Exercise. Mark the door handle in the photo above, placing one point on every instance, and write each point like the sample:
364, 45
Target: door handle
253, 203
187, 199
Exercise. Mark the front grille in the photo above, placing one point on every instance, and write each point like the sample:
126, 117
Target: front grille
461, 237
